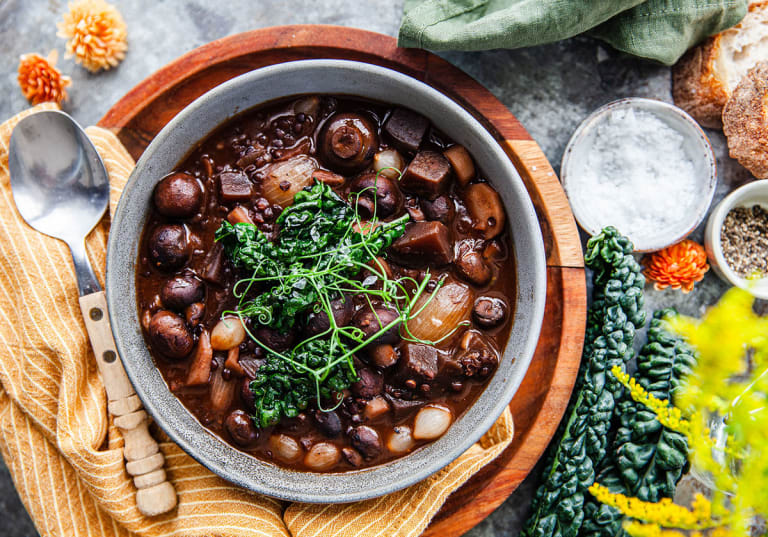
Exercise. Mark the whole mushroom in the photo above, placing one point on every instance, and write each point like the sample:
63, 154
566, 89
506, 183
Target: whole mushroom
241, 428
348, 142
178, 196
169, 335
318, 322
181, 291
328, 422
376, 193
472, 267
373, 321
371, 383
489, 311
366, 440
168, 247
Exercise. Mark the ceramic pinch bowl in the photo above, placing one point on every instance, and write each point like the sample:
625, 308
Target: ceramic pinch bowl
697, 149
195, 123
754, 193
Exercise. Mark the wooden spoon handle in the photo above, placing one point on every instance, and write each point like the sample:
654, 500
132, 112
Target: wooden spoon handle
144, 461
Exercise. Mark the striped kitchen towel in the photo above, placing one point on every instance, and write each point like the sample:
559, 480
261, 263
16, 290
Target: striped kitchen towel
64, 452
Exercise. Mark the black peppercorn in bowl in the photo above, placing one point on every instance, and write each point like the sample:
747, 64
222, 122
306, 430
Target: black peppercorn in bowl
736, 245
347, 139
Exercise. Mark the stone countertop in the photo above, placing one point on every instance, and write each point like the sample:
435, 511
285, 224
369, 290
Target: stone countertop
549, 88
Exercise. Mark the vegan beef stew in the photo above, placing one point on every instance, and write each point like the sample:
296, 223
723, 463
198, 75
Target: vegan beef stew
326, 282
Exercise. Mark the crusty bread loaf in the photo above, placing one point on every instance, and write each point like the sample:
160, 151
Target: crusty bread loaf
703, 79
745, 121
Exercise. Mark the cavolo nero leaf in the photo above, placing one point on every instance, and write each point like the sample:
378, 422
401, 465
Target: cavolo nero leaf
646, 460
616, 313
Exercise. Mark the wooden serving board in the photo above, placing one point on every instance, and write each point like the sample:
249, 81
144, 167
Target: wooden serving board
543, 396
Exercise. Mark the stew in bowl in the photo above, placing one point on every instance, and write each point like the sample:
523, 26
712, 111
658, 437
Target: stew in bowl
325, 282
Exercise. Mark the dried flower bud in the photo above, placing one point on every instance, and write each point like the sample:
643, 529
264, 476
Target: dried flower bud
96, 34
678, 266
39, 79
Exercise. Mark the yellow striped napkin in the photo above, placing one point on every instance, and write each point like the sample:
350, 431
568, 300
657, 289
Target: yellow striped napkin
63, 450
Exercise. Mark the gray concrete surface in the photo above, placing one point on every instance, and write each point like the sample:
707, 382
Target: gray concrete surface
549, 88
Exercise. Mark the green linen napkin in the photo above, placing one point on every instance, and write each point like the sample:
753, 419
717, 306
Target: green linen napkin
660, 30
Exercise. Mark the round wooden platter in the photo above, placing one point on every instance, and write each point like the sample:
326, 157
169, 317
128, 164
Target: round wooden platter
541, 400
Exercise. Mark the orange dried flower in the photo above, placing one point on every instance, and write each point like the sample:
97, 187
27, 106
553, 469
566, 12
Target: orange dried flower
39, 79
96, 34
678, 266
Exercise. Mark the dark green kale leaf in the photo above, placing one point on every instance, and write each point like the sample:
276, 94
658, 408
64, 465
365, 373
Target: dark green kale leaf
282, 388
316, 236
645, 460
317, 253
616, 313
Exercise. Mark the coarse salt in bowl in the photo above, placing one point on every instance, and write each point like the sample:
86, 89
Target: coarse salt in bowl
642, 166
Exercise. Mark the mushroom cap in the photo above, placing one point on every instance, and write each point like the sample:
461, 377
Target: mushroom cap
348, 142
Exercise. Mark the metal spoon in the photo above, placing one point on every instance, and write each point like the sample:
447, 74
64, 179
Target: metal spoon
61, 188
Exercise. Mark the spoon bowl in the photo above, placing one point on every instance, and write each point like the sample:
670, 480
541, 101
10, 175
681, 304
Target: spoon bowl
59, 183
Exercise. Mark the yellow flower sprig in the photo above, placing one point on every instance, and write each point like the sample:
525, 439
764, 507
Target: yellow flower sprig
663, 513
639, 529
669, 416
722, 336
728, 384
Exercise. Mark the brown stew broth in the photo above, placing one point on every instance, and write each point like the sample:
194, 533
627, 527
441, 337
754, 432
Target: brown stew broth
280, 132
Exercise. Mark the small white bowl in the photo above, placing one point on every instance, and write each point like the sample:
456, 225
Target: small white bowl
696, 146
754, 193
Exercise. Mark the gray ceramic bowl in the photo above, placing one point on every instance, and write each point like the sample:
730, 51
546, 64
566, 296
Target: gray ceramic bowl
193, 124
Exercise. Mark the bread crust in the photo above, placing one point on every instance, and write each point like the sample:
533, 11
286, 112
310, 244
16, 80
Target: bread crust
695, 86
745, 121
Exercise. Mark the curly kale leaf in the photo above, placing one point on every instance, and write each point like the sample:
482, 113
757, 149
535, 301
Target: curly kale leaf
616, 313
650, 458
316, 236
283, 389
645, 460
248, 247
316, 253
